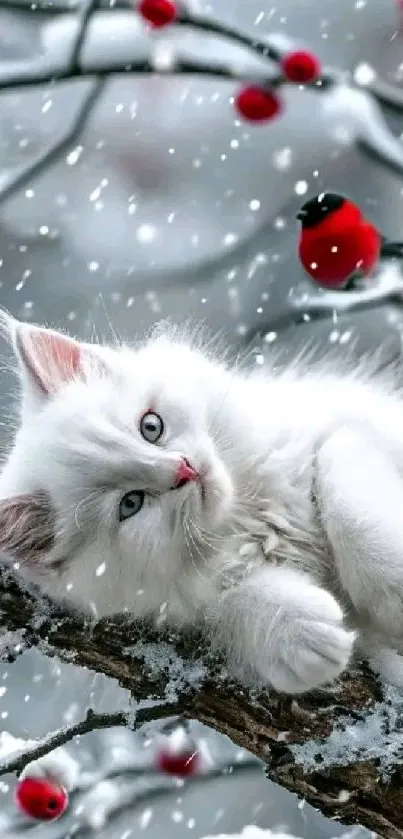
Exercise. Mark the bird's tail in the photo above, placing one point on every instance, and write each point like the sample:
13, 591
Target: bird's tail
391, 249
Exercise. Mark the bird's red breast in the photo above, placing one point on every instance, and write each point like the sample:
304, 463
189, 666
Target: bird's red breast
340, 246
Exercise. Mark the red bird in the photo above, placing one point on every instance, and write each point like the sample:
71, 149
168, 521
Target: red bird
337, 242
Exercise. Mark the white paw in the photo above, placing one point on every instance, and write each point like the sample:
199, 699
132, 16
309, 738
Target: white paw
314, 646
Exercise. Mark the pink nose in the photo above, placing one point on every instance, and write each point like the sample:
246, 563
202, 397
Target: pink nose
184, 474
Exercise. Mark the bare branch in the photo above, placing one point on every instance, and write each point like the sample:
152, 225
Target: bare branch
92, 721
53, 154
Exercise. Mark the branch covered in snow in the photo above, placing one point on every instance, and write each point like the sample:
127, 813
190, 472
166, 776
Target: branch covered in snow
386, 286
36, 749
340, 749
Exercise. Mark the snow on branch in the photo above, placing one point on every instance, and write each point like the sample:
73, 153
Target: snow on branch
340, 749
36, 749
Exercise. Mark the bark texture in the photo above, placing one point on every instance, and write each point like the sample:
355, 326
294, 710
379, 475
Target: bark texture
340, 749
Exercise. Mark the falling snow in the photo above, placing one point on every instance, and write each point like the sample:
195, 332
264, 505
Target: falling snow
164, 184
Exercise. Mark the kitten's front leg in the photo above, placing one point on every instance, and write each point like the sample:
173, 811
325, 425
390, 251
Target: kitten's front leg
360, 501
279, 628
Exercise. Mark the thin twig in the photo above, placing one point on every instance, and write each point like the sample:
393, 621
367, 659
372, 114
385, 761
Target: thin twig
92, 722
52, 154
84, 19
143, 66
392, 161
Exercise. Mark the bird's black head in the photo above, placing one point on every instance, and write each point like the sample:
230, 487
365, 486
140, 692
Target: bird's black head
316, 209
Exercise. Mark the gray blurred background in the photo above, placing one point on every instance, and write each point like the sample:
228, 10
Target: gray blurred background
167, 206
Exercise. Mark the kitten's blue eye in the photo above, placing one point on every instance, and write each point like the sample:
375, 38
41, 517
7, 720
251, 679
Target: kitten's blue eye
130, 504
151, 427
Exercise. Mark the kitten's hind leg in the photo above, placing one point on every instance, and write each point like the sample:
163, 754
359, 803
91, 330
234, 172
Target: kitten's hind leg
360, 501
279, 628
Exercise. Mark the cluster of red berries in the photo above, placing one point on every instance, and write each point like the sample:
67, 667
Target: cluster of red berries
45, 799
253, 102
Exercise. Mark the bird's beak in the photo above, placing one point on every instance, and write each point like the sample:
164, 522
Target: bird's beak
301, 215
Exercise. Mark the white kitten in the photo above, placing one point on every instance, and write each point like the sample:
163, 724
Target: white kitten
158, 480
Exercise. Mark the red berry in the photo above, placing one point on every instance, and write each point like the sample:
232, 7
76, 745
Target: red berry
178, 754
257, 104
300, 67
158, 13
182, 765
41, 798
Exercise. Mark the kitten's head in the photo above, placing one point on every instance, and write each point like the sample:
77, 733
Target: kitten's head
115, 484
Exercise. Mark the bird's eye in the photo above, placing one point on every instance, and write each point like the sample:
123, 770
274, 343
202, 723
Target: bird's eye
151, 427
130, 504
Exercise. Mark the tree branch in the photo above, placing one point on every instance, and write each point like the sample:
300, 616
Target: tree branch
92, 721
340, 749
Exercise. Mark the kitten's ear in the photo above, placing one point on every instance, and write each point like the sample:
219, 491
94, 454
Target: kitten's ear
48, 359
27, 527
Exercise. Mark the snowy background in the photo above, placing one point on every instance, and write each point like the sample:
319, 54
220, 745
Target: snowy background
166, 206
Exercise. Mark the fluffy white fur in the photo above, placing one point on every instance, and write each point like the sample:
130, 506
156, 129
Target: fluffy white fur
290, 544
